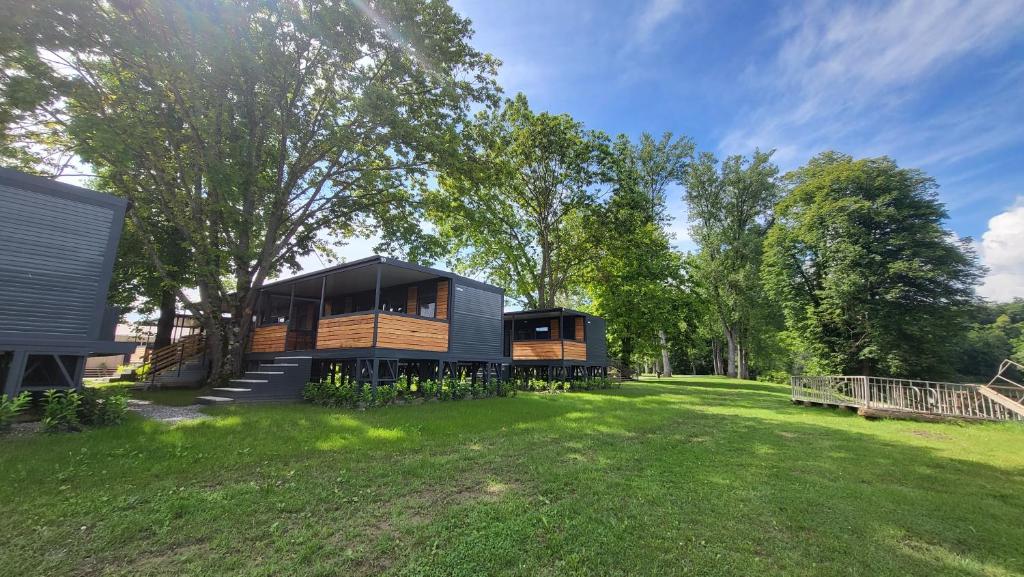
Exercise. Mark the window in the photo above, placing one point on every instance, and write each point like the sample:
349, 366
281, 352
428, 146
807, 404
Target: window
426, 299
275, 309
394, 299
569, 328
533, 329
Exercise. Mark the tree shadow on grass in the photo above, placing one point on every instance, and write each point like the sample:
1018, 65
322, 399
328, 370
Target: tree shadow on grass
637, 481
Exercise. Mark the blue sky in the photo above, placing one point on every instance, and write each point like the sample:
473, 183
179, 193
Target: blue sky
937, 85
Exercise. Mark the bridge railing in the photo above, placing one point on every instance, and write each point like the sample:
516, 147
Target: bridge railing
931, 397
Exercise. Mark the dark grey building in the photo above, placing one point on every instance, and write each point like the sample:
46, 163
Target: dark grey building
371, 320
556, 343
57, 248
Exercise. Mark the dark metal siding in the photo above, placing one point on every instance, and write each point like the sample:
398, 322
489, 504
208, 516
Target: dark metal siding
597, 346
54, 262
476, 321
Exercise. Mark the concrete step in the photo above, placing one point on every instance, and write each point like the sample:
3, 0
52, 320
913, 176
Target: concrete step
250, 381
247, 373
231, 390
213, 400
279, 364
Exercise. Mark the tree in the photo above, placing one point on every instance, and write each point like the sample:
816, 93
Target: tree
869, 279
258, 128
634, 281
517, 213
730, 210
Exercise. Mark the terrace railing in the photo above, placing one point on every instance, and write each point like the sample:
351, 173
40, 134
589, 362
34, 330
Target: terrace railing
989, 402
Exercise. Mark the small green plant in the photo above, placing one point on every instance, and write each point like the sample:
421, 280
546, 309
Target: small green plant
11, 406
98, 409
60, 410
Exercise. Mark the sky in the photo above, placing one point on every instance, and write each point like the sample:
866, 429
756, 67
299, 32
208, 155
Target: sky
934, 84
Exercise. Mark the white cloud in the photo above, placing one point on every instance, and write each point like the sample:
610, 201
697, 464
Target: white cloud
843, 73
653, 14
1002, 251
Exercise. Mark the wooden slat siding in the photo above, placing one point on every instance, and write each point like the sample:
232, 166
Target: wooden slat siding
555, 330
350, 332
580, 329
575, 351
397, 332
442, 299
268, 339
411, 304
536, 350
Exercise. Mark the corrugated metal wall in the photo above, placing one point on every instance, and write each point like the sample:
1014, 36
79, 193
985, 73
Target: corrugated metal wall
51, 263
597, 346
476, 322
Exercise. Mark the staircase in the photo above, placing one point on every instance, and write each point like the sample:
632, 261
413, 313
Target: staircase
179, 364
1004, 391
281, 380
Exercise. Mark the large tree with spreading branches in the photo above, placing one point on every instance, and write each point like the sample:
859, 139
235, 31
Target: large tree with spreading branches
256, 130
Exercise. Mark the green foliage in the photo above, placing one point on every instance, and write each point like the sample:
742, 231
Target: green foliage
61, 410
518, 213
100, 409
730, 208
11, 406
867, 276
349, 394
634, 279
996, 332
254, 130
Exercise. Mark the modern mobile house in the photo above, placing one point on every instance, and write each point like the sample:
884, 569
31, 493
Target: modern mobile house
556, 343
371, 320
57, 248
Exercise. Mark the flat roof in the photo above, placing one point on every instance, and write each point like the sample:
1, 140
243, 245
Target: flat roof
375, 259
539, 313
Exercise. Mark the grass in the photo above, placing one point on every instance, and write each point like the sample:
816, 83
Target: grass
689, 476
175, 397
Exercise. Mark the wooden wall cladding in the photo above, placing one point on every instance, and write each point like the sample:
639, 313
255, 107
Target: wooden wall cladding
536, 350
556, 330
399, 332
349, 332
580, 329
442, 299
268, 339
575, 351
411, 304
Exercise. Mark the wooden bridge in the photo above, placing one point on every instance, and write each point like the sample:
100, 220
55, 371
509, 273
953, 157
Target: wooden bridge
1001, 399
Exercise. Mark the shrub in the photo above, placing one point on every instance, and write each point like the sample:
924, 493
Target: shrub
102, 410
779, 377
10, 407
331, 395
60, 410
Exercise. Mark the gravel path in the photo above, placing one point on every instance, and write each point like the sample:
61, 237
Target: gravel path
166, 414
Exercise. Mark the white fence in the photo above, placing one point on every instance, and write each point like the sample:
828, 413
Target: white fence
935, 398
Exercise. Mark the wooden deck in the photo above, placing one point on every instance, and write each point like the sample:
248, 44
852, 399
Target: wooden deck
877, 395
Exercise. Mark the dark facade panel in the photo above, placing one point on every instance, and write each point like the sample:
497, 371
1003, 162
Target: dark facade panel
58, 246
476, 321
597, 344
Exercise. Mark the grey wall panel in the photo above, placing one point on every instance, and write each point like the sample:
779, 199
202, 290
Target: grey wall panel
476, 321
597, 344
54, 255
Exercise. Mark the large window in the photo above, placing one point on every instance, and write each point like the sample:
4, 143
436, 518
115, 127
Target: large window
569, 328
533, 329
394, 299
426, 299
275, 309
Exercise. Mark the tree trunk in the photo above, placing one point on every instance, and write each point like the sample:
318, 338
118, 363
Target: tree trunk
716, 357
666, 364
626, 357
165, 324
730, 369
741, 361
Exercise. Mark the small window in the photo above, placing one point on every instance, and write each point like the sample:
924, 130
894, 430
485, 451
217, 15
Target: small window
533, 330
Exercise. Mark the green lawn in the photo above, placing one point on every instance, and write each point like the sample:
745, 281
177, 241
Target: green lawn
694, 476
